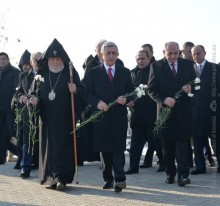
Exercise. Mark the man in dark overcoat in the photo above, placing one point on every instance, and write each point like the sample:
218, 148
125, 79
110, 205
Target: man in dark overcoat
104, 84
168, 76
143, 118
204, 106
9, 76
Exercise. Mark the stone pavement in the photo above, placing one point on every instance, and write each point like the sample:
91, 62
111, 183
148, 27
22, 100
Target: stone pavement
145, 188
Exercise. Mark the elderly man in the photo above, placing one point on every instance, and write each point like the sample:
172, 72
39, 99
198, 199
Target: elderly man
104, 84
204, 114
53, 96
167, 77
8, 82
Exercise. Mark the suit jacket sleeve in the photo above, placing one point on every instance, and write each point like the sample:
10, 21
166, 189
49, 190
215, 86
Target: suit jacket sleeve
153, 85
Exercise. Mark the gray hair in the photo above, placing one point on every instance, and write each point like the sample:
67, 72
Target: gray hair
35, 56
99, 44
167, 44
108, 44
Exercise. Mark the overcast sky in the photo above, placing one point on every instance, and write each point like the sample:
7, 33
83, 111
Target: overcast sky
78, 25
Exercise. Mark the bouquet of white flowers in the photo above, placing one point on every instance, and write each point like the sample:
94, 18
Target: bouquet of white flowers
166, 111
137, 93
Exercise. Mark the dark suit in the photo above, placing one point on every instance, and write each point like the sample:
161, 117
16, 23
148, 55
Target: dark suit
202, 113
143, 118
25, 81
110, 132
8, 82
175, 134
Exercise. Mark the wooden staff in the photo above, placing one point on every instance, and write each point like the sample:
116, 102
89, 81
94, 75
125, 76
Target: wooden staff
74, 125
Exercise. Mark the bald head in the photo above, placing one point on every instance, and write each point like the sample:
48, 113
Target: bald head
198, 53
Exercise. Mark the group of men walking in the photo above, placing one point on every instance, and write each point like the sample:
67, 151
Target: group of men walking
44, 88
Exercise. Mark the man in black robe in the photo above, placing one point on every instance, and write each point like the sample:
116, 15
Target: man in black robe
52, 94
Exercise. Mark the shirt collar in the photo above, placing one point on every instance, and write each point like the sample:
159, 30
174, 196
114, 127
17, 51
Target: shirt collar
202, 63
107, 67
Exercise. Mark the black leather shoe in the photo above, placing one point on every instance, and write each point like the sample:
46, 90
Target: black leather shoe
61, 186
25, 175
119, 186
198, 171
218, 170
170, 180
211, 162
33, 167
108, 185
161, 168
184, 181
132, 171
17, 167
145, 166
52, 187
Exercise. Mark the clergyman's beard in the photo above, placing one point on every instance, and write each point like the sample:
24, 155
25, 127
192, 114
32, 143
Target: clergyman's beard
55, 70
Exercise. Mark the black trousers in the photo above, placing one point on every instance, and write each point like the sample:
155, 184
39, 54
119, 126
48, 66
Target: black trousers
176, 150
141, 135
6, 132
116, 161
199, 143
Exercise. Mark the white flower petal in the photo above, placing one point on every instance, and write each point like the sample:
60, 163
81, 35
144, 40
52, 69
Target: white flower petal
190, 95
197, 88
197, 80
141, 86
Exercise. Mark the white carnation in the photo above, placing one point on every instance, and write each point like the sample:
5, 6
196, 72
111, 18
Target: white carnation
197, 80
190, 95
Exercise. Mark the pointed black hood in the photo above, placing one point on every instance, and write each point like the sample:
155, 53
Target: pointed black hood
25, 59
55, 49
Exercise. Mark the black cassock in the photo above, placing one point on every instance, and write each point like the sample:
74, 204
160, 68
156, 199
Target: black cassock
56, 162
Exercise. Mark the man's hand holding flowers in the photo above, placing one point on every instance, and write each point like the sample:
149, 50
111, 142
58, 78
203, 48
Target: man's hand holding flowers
102, 106
122, 100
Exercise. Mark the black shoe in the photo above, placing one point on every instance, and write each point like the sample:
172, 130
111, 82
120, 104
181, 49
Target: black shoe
170, 180
145, 166
211, 162
161, 168
184, 181
218, 170
108, 185
119, 186
17, 167
198, 171
61, 186
52, 187
34, 167
132, 171
25, 175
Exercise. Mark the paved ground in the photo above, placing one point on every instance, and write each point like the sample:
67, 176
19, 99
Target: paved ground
145, 188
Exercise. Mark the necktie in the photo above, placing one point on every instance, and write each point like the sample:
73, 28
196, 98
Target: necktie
110, 74
173, 70
200, 69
